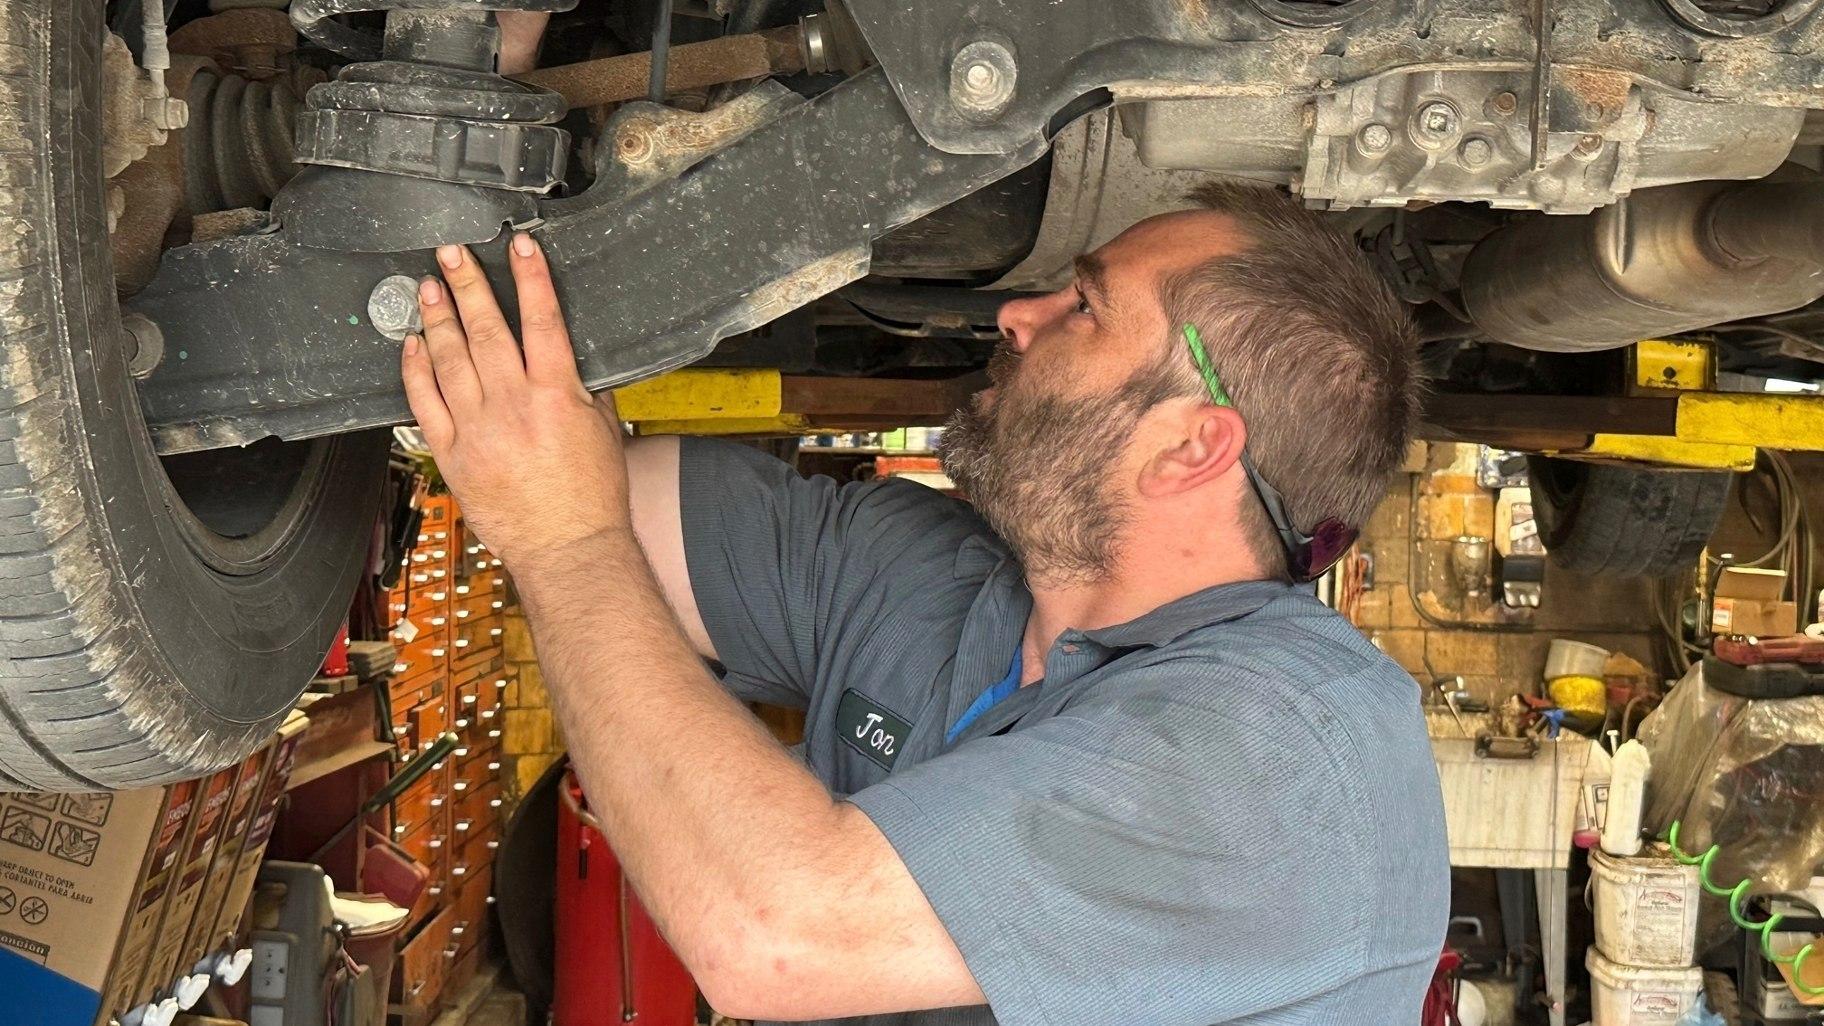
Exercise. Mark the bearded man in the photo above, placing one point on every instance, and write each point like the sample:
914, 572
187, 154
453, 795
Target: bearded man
1082, 752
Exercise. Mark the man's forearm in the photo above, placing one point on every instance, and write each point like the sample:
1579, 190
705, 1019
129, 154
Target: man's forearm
712, 817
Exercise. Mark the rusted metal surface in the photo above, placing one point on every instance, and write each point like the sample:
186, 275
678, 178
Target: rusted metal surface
154, 191
127, 133
1487, 416
777, 51
832, 399
253, 43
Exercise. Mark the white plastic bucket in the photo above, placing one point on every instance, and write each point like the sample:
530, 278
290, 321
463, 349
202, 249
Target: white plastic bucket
1646, 908
1631, 995
1567, 658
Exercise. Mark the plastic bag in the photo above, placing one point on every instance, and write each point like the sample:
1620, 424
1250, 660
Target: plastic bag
1747, 775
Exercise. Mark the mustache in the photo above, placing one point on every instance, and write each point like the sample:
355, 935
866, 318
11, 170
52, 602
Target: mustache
1003, 364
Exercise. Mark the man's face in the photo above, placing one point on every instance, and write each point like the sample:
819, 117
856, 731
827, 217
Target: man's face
1040, 452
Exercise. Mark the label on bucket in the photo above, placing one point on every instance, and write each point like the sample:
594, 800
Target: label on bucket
1660, 922
1669, 1006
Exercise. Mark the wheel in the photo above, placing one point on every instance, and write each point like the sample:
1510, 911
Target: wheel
157, 618
1598, 518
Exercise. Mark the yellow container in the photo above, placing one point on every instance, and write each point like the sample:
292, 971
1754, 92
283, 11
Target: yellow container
1586, 696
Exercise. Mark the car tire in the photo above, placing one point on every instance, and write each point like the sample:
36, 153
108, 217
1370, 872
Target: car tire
157, 617
1620, 521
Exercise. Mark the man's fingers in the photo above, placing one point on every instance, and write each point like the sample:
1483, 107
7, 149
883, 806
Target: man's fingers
491, 343
421, 392
448, 346
549, 357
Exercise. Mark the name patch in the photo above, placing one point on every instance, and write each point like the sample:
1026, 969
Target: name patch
870, 729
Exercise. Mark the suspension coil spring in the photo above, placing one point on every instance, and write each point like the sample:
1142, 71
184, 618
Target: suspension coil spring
239, 150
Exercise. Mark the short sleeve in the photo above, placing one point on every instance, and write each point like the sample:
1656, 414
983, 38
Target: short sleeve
792, 574
1147, 859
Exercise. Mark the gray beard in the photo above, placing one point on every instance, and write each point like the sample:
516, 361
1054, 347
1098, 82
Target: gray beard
1038, 469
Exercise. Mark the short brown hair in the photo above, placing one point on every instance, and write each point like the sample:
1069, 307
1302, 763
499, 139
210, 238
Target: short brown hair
1316, 351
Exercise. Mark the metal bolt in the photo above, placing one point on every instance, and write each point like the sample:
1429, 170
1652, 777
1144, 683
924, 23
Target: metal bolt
166, 113
634, 143
1437, 121
982, 78
1476, 152
1589, 145
148, 344
1374, 138
1503, 103
392, 308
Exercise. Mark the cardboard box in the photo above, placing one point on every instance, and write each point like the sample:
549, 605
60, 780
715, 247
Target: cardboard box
206, 933
136, 946
1747, 602
70, 869
199, 937
239, 888
186, 892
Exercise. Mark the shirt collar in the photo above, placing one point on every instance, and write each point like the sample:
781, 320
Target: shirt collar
1175, 619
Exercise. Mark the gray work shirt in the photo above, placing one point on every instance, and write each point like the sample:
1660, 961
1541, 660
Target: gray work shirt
1224, 811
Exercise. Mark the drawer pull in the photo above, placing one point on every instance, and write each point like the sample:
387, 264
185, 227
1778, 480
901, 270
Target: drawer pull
462, 785
462, 827
493, 767
461, 753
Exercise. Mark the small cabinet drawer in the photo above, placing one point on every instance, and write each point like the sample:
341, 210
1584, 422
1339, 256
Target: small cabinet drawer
424, 961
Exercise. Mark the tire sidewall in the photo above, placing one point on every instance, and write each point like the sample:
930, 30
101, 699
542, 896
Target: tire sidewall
222, 654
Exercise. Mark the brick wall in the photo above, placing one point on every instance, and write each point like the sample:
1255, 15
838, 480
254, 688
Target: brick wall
1416, 612
530, 737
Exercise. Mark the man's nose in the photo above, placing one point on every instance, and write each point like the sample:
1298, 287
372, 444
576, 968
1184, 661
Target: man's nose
1017, 318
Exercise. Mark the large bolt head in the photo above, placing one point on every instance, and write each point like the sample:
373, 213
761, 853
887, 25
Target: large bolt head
392, 308
1435, 122
1476, 152
166, 113
1374, 138
982, 79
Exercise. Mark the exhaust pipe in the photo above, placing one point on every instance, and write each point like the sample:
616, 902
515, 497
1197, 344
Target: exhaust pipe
1658, 262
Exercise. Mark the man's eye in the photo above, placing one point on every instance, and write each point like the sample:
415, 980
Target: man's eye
1082, 304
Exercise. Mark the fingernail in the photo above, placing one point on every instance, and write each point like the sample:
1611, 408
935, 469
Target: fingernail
411, 345
450, 256
523, 245
429, 292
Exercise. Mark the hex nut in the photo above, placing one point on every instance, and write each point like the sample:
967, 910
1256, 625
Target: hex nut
392, 308
1475, 152
982, 79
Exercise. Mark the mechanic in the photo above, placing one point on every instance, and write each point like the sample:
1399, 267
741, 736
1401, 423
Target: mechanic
1084, 754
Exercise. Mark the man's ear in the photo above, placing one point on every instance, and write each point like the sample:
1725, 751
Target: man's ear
1204, 443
